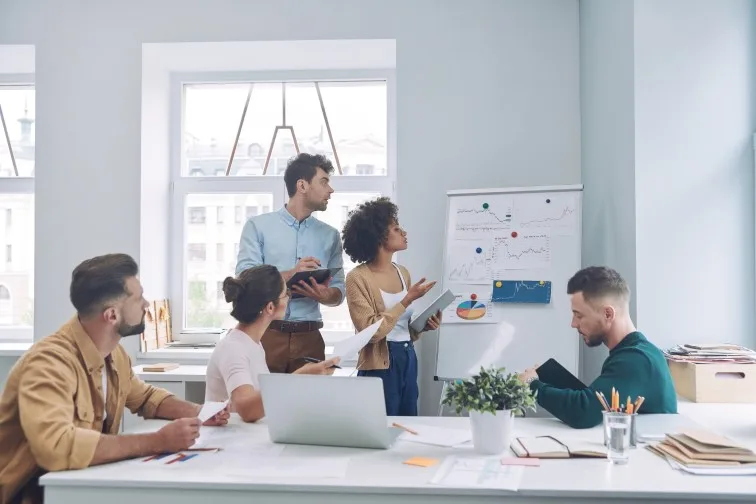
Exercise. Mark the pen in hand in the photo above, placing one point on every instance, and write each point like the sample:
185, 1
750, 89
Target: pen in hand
314, 360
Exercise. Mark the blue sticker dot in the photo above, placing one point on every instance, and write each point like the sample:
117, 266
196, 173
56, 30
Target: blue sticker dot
478, 250
548, 201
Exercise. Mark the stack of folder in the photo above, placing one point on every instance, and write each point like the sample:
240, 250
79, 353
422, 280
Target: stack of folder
711, 354
702, 449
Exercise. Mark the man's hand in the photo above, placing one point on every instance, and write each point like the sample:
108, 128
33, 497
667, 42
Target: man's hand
320, 292
220, 418
433, 323
178, 435
306, 264
529, 375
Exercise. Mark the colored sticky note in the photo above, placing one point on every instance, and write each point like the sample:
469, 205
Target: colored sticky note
530, 462
421, 461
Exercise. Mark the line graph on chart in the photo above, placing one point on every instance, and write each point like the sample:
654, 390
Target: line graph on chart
556, 212
481, 220
528, 250
468, 266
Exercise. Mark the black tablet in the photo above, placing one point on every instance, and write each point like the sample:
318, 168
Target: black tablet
320, 276
553, 373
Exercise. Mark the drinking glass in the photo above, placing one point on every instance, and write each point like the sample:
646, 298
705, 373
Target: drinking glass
617, 436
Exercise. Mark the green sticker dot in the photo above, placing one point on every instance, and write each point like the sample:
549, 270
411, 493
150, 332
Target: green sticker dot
485, 205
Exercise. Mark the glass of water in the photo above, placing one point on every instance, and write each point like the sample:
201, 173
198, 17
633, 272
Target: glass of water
617, 436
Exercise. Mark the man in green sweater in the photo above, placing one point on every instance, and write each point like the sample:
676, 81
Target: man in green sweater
635, 367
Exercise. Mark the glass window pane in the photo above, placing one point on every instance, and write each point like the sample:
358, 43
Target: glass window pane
18, 107
356, 111
358, 115
336, 320
17, 260
208, 261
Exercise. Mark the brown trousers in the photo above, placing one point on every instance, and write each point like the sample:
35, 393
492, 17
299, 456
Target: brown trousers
284, 351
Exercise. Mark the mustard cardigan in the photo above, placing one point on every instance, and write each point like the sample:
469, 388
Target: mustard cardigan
366, 307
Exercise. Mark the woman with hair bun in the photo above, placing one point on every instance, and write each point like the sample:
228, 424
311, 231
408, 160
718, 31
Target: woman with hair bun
258, 295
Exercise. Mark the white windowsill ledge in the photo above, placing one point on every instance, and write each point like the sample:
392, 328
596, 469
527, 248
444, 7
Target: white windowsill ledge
14, 349
199, 355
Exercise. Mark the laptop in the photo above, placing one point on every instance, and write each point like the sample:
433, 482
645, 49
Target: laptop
326, 411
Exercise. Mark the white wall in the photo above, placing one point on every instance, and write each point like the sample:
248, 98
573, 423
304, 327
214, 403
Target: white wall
668, 91
695, 89
495, 80
607, 103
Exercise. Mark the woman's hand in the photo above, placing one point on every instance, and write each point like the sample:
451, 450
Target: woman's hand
321, 368
433, 323
417, 291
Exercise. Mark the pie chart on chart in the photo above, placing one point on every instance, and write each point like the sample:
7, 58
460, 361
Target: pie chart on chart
471, 310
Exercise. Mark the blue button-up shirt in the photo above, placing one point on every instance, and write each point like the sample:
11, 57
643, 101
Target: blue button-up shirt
277, 238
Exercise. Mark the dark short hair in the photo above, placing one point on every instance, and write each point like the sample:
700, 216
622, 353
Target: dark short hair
100, 280
304, 167
252, 290
367, 227
598, 281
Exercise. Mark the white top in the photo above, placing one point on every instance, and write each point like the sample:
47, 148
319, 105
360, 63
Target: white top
236, 360
400, 332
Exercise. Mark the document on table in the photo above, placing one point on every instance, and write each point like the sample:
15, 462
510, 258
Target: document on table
478, 472
436, 436
210, 409
351, 346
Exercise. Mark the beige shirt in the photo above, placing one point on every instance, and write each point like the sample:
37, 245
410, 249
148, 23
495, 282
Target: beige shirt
366, 306
52, 411
236, 360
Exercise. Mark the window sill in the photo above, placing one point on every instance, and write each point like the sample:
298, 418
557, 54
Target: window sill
14, 348
200, 355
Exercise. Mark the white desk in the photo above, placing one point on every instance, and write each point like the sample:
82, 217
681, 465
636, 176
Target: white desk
373, 476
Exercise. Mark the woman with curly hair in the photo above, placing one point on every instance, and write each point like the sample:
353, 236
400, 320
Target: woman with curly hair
380, 289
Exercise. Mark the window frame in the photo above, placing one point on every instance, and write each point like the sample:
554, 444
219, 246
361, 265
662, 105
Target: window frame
183, 185
17, 185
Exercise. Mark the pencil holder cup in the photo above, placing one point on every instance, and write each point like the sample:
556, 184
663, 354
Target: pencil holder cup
616, 426
633, 431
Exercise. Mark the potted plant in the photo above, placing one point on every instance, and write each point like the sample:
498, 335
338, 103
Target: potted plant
492, 400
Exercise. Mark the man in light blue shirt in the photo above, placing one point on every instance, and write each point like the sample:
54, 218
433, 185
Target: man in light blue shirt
292, 240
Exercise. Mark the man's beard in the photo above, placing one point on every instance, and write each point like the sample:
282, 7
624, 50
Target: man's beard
125, 330
593, 340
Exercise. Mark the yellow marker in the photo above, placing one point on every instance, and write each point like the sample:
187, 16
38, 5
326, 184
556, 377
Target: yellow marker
541, 282
498, 284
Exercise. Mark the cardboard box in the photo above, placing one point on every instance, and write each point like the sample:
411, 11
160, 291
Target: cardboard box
714, 383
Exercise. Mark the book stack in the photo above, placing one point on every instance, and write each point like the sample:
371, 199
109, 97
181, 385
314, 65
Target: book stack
711, 354
704, 452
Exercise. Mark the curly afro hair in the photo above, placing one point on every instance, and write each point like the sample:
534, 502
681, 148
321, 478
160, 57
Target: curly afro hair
367, 228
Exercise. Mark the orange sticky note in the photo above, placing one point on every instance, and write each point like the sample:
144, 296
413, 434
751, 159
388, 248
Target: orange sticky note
421, 461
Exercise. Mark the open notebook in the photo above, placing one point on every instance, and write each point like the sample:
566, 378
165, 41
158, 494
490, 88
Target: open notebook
700, 448
549, 447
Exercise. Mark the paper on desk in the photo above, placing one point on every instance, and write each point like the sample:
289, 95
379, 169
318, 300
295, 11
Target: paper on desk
210, 409
351, 346
436, 436
478, 472
748, 470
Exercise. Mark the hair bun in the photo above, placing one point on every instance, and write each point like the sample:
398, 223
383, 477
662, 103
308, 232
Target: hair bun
232, 289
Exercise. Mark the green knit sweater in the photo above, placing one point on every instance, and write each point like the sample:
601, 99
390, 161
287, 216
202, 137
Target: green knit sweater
635, 367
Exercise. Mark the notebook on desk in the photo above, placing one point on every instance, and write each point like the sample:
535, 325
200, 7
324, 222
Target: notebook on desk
704, 449
549, 447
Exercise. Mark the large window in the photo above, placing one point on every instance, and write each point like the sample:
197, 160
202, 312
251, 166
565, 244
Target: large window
235, 140
17, 112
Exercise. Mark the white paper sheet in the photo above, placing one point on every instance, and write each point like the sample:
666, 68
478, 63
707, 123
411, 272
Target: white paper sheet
351, 346
210, 409
436, 436
478, 472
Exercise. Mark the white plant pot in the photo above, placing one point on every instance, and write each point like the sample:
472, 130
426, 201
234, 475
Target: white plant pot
492, 433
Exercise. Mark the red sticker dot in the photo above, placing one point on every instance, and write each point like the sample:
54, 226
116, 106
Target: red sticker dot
473, 296
514, 234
